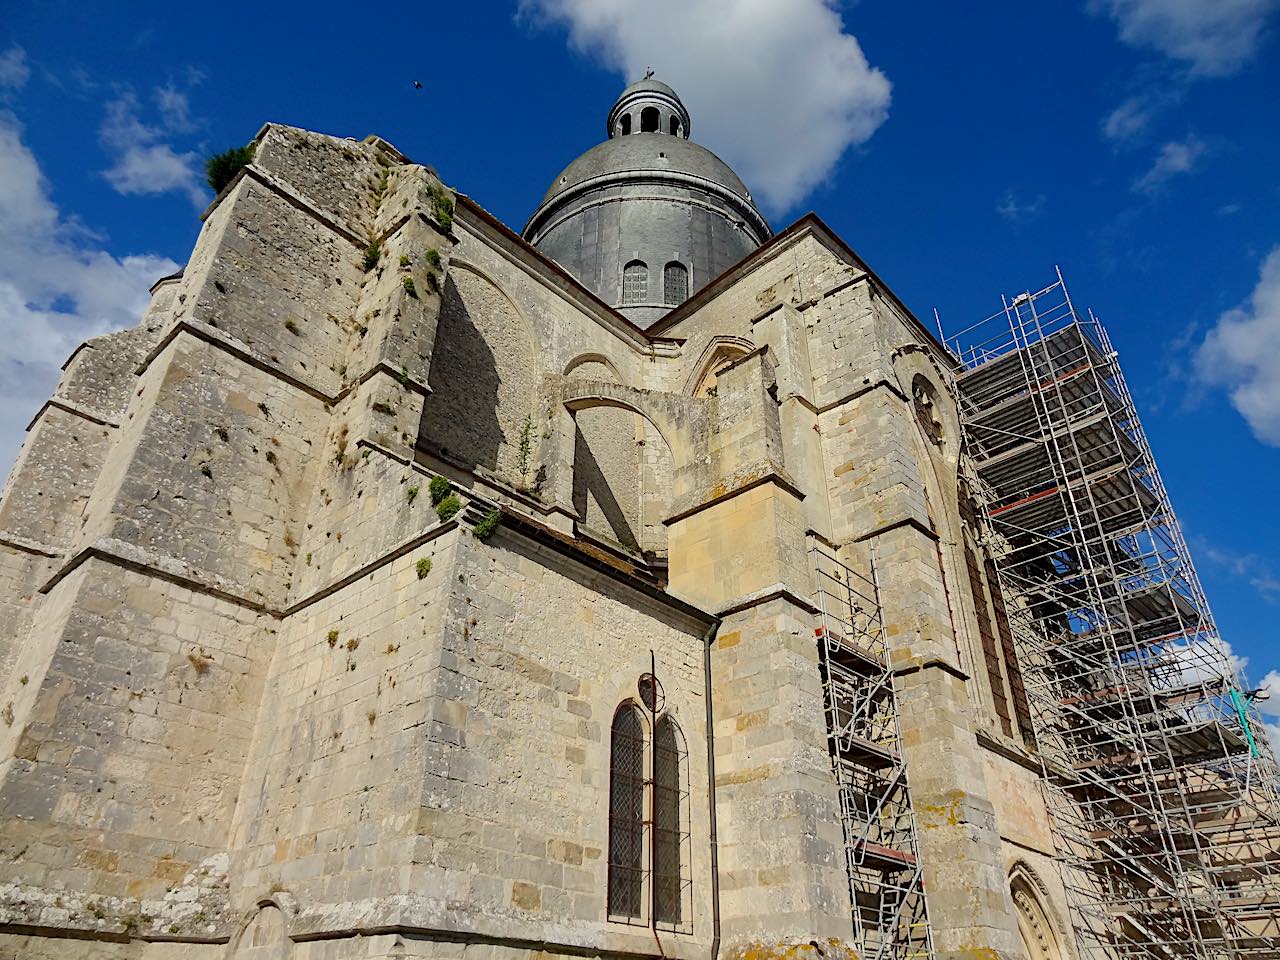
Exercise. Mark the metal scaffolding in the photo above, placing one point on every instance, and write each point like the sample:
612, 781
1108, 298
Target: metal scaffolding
885, 882
1162, 787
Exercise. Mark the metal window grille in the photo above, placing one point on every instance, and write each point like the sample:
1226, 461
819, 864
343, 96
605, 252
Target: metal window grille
675, 281
670, 823
635, 282
626, 814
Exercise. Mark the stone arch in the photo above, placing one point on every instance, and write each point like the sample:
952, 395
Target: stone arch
263, 935
586, 366
622, 469
717, 354
485, 375
1043, 933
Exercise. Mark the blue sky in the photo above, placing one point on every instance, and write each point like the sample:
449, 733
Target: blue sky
962, 149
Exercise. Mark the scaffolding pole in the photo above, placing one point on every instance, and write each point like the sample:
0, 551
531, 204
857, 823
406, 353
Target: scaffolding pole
1161, 784
886, 885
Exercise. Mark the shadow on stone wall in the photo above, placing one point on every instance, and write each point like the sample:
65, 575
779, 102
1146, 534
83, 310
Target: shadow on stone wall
481, 377
593, 493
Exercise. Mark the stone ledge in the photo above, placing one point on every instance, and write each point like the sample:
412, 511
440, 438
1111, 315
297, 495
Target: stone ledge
1009, 752
408, 546
27, 545
215, 337
776, 591
867, 387
74, 409
898, 524
131, 557
770, 475
929, 663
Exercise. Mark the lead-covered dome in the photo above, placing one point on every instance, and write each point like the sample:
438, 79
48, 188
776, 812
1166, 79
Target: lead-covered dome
647, 217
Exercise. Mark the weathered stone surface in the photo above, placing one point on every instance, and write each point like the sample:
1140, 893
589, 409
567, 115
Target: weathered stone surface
265, 693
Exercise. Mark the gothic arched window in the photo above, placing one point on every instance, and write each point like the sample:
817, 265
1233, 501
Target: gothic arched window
675, 283
626, 813
635, 282
649, 120
670, 822
626, 124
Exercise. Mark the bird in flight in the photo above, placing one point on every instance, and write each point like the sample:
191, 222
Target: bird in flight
417, 84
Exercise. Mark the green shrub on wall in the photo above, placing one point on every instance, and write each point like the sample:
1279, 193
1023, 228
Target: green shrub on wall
221, 168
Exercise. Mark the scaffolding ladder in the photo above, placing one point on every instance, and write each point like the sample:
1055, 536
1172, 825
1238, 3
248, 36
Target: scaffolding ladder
1161, 785
886, 886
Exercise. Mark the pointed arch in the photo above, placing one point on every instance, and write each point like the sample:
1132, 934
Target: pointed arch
1042, 934
717, 354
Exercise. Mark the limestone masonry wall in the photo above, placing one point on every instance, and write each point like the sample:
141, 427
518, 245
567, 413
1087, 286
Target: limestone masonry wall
320, 588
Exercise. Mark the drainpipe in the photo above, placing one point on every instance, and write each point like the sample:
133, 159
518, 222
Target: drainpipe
708, 639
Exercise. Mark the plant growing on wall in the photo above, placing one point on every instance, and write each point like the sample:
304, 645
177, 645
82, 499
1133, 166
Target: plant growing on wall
441, 206
221, 168
438, 488
526, 450
372, 254
489, 523
447, 507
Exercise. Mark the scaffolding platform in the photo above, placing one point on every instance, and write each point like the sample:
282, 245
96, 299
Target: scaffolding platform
1162, 786
886, 885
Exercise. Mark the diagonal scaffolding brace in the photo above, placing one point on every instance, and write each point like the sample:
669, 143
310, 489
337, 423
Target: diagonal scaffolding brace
1162, 786
885, 880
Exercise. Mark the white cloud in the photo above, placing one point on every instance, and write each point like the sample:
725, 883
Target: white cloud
57, 288
780, 90
1016, 209
144, 162
1248, 567
1271, 684
14, 71
1175, 158
175, 109
1216, 37
1242, 354
1130, 121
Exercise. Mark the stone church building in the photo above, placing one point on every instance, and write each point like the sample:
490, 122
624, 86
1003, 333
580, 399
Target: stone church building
404, 586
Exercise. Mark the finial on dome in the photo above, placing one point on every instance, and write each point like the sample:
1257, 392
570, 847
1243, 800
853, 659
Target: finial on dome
648, 74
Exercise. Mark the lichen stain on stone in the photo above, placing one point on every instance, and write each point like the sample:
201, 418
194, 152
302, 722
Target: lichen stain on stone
832, 949
947, 813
